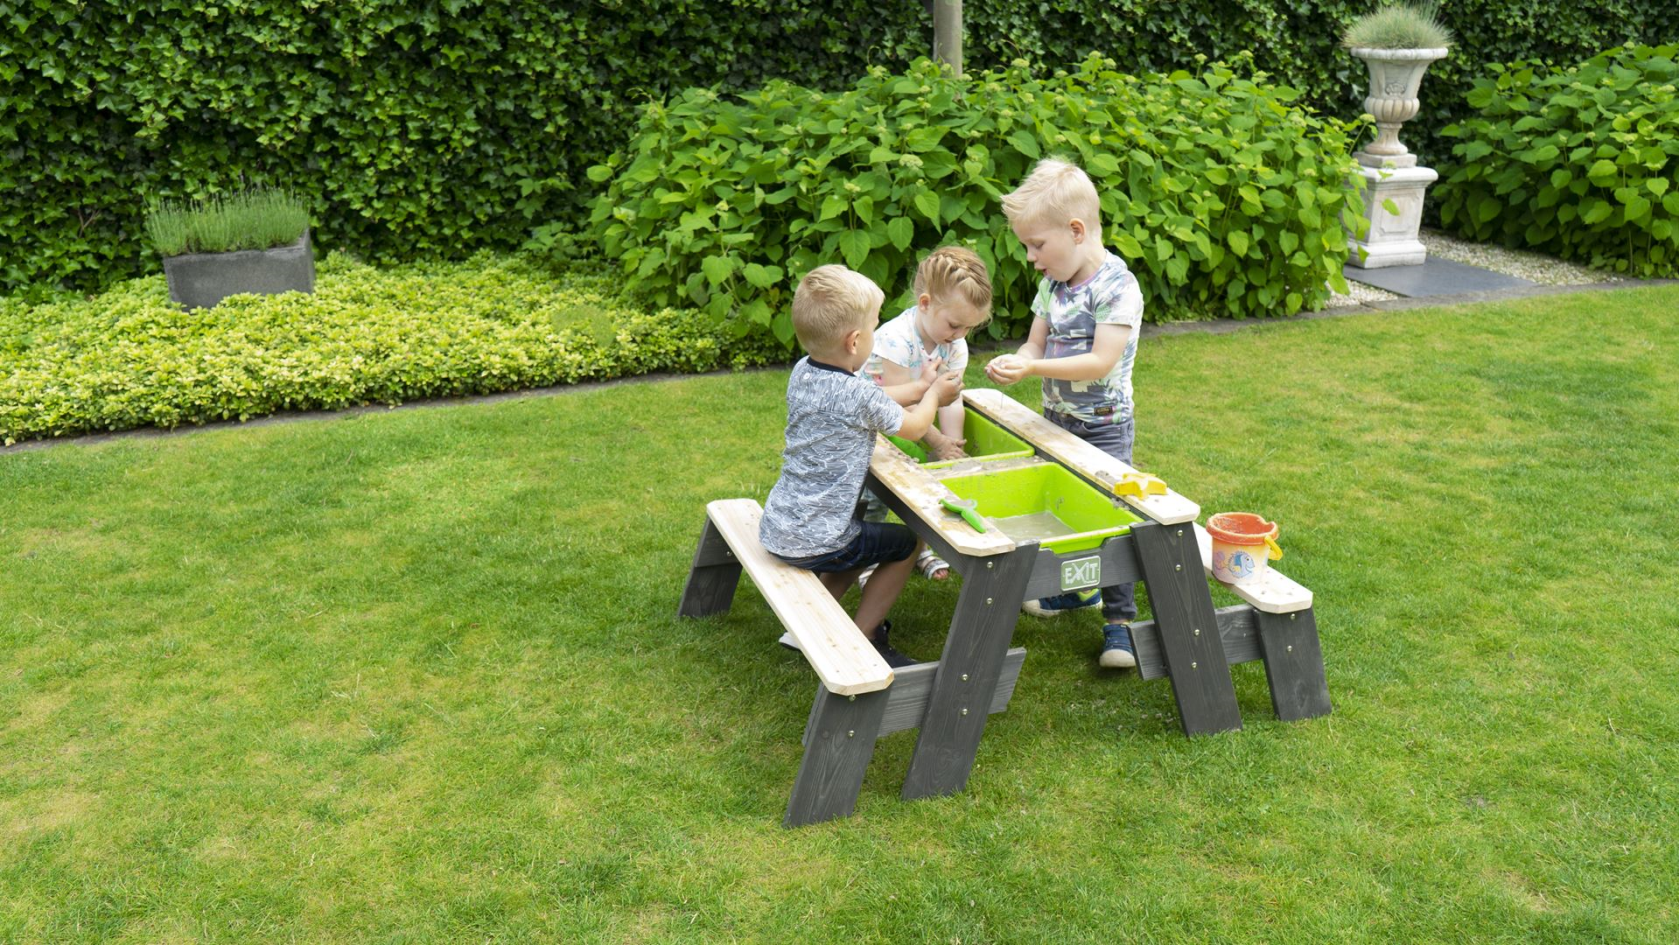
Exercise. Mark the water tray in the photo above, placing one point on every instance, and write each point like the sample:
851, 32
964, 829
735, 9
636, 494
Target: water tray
986, 441
1063, 512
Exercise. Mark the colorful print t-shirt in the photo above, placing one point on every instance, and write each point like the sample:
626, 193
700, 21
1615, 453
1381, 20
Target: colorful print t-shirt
1110, 297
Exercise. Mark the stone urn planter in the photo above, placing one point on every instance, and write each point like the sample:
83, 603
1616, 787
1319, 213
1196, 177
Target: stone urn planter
200, 280
1391, 179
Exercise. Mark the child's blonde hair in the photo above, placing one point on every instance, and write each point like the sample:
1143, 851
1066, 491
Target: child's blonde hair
829, 302
1056, 192
955, 272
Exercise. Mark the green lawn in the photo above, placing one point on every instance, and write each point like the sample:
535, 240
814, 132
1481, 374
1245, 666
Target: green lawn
415, 676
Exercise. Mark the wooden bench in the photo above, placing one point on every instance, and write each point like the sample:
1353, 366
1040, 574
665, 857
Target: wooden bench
858, 698
1275, 624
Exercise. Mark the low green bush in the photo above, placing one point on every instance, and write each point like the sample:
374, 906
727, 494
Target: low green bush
130, 358
1221, 196
1582, 163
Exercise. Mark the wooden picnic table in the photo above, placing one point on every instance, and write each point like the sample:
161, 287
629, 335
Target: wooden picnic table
859, 698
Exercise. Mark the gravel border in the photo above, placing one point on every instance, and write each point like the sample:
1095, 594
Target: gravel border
1521, 263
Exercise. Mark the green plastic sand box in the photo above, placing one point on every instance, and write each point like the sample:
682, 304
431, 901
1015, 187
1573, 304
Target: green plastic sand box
1045, 502
986, 441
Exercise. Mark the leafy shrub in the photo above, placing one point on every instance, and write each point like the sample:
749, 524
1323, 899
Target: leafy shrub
130, 358
423, 129
1582, 163
1224, 200
256, 219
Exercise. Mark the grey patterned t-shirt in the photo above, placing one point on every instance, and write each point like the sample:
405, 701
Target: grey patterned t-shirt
1109, 297
832, 417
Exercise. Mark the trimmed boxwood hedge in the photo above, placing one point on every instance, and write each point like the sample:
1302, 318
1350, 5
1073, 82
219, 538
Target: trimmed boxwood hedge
438, 127
130, 358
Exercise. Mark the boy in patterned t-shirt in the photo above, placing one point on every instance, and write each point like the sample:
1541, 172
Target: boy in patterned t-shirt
1083, 341
810, 518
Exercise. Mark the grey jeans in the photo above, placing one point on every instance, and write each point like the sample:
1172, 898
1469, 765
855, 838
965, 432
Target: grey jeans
1119, 602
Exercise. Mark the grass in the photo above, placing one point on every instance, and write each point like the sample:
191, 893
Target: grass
414, 676
254, 219
1398, 26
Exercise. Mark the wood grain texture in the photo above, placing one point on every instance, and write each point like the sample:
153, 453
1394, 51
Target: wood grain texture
842, 657
1077, 455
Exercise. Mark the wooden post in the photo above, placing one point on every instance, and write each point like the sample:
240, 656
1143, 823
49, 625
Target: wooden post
712, 577
839, 741
947, 33
1189, 631
986, 611
1294, 664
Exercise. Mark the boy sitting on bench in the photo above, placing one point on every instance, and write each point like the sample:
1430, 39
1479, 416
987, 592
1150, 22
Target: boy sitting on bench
810, 518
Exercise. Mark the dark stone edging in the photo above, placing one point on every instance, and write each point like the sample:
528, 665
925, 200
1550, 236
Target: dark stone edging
1220, 326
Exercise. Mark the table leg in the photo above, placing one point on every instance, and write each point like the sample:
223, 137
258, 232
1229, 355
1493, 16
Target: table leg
1189, 633
992, 589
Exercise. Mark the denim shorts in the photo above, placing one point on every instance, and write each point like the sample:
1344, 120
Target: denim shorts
876, 543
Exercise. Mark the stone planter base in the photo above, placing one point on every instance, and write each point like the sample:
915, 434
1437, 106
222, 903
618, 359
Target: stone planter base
1392, 240
200, 280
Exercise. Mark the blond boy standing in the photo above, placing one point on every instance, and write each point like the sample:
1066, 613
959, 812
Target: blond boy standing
810, 518
1083, 341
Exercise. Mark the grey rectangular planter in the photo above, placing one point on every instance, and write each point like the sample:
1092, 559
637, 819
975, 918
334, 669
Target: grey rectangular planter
200, 280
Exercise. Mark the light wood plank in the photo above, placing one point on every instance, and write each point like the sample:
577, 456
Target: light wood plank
1077, 455
842, 657
924, 495
1273, 592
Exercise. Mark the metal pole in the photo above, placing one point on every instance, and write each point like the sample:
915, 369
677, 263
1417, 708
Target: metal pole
947, 33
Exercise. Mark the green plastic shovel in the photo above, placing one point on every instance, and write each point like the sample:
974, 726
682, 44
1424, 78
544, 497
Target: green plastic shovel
965, 508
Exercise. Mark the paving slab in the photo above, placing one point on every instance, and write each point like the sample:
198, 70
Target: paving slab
1434, 277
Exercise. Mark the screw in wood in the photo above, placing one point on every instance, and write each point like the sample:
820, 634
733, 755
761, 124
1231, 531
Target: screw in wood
964, 677
990, 564
1291, 648
1197, 631
1180, 533
851, 734
1194, 665
1177, 567
851, 698
964, 710
988, 602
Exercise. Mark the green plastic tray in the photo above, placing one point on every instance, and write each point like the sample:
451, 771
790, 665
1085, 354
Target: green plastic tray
1089, 517
986, 442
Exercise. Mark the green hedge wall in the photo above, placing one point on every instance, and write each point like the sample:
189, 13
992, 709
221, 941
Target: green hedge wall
434, 127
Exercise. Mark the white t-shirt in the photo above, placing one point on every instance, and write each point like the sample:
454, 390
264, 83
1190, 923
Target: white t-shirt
899, 341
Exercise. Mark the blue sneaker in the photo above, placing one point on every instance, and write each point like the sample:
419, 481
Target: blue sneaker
1061, 603
1117, 651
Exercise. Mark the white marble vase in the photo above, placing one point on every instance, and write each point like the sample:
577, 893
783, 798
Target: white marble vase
1389, 174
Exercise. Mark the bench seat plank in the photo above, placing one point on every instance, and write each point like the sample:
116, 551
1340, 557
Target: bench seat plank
1077, 455
1273, 593
842, 657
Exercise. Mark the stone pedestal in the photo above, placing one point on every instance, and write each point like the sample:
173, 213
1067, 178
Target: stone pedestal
1392, 239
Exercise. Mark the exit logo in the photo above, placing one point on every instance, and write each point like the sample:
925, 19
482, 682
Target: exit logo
1081, 572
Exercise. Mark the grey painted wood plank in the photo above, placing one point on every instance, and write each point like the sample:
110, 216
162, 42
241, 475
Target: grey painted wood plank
1237, 629
968, 672
712, 578
842, 735
1294, 665
1119, 566
1195, 661
907, 699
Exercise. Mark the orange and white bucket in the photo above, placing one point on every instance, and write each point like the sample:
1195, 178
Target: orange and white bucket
1244, 544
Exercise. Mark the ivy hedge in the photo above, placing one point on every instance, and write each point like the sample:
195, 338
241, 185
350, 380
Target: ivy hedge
726, 203
1582, 162
130, 358
442, 126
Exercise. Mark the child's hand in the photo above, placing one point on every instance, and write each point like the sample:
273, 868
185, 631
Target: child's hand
930, 370
945, 449
1006, 369
947, 388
